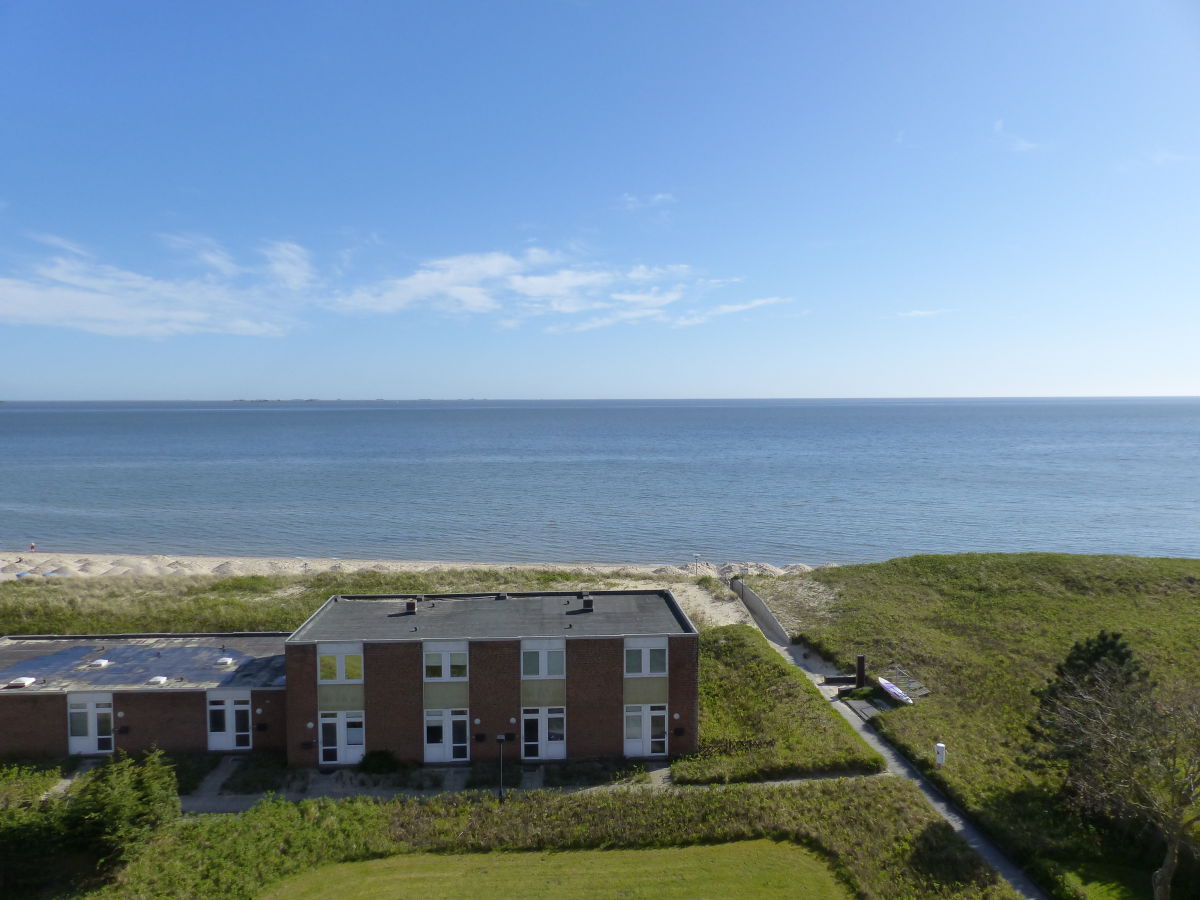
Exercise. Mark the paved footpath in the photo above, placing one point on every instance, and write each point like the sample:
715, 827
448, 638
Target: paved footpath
897, 765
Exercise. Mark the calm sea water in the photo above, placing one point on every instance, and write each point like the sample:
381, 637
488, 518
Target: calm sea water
652, 481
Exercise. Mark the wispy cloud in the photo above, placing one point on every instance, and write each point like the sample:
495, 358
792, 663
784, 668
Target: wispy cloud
59, 243
728, 309
466, 283
88, 296
1013, 142
205, 251
289, 264
923, 313
634, 202
560, 289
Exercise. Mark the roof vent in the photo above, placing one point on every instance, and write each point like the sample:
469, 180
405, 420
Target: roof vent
158, 679
21, 682
502, 596
225, 661
100, 664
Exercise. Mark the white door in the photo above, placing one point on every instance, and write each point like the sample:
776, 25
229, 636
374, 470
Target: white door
446, 738
646, 730
229, 720
89, 723
544, 732
343, 738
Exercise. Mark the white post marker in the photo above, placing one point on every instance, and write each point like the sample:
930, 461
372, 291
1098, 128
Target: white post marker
939, 751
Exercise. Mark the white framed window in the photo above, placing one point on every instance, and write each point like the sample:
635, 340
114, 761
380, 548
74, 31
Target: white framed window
645, 656
444, 660
340, 663
543, 658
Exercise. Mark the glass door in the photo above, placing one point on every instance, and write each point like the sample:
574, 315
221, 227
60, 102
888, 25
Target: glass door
228, 720
343, 738
646, 730
544, 732
446, 738
89, 723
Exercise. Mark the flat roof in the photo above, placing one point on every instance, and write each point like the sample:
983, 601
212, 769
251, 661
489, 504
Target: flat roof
385, 617
187, 661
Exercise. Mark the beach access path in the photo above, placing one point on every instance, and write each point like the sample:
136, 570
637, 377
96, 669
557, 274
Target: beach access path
816, 669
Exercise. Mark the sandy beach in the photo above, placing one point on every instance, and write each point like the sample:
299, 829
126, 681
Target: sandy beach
696, 601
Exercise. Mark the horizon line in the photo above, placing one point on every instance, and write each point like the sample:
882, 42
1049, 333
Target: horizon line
607, 399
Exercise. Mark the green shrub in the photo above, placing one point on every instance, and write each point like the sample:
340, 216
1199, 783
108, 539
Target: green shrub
121, 802
234, 856
380, 762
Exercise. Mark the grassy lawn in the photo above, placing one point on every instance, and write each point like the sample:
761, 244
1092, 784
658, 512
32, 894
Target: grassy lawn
983, 630
760, 718
744, 869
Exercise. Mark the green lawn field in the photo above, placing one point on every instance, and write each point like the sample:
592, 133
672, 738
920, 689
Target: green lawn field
744, 869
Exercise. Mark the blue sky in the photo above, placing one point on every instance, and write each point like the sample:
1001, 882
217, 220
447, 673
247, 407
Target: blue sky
571, 199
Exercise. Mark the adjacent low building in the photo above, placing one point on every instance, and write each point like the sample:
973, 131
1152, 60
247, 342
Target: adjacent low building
437, 679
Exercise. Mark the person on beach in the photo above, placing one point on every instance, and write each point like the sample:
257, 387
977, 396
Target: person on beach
32, 547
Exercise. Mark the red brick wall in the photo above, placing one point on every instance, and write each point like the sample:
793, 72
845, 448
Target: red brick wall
683, 656
301, 661
274, 715
33, 724
169, 720
495, 697
595, 696
392, 699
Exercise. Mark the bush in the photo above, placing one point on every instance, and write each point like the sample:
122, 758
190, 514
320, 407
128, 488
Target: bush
121, 802
380, 762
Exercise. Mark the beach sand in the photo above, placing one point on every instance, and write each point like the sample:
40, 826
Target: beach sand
696, 601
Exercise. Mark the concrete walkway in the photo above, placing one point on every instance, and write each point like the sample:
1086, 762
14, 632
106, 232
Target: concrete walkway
816, 668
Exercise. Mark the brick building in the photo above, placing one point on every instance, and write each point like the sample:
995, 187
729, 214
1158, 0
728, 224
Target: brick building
434, 679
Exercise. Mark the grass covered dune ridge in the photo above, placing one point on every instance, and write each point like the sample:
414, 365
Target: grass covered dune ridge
983, 631
199, 603
760, 718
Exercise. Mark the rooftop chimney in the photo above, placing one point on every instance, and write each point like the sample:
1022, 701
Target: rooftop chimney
410, 606
587, 602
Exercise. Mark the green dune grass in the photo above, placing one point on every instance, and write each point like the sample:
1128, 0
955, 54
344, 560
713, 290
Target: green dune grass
982, 631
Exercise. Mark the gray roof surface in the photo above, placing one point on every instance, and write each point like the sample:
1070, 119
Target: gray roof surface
482, 616
188, 661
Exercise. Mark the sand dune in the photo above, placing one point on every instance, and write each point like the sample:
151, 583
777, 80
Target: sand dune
696, 601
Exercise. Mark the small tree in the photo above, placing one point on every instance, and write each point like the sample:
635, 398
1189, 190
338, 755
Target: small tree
1131, 749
